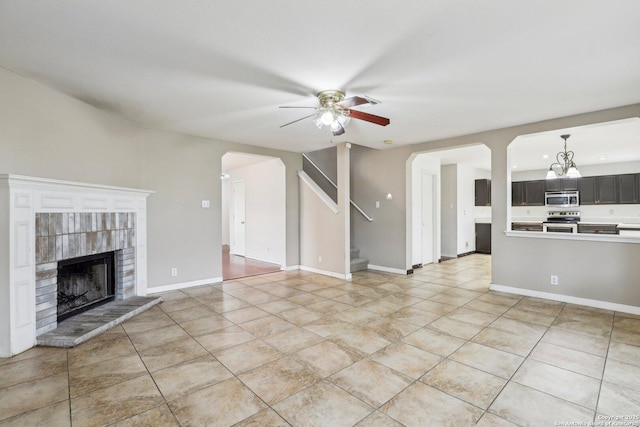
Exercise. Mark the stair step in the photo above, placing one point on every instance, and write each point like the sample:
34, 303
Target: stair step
355, 253
358, 264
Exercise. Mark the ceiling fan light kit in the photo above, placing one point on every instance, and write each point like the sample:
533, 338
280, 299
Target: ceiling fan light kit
335, 111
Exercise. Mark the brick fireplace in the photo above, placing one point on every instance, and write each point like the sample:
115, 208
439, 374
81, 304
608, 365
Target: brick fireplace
44, 222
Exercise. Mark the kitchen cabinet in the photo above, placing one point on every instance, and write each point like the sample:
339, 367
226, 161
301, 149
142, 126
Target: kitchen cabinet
629, 188
527, 193
526, 226
606, 189
594, 190
534, 193
483, 238
598, 190
483, 192
517, 193
598, 228
561, 184
587, 189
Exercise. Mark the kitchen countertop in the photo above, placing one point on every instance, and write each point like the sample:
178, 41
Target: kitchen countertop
631, 223
631, 226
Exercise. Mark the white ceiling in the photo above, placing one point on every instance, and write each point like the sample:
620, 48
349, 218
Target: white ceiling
220, 69
234, 160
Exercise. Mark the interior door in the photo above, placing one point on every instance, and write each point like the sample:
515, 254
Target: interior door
428, 219
239, 230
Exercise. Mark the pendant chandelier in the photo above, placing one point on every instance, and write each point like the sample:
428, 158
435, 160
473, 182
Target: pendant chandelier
564, 167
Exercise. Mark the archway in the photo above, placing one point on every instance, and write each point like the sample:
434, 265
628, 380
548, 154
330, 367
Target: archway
253, 215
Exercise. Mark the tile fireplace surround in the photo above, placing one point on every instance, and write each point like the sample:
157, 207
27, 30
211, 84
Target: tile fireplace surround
43, 221
68, 235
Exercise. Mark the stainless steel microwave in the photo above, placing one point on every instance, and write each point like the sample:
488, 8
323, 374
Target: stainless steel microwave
562, 199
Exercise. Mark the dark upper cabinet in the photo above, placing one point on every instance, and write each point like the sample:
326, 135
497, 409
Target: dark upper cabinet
527, 193
553, 185
483, 192
628, 191
594, 190
534, 193
569, 184
587, 190
599, 190
607, 190
517, 193
561, 184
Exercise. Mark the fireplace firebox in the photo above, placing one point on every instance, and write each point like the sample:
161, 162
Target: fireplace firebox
84, 283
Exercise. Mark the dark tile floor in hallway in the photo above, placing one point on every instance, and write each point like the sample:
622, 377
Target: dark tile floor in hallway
293, 348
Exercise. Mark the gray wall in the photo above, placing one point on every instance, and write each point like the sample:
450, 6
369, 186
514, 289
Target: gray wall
606, 271
374, 173
44, 133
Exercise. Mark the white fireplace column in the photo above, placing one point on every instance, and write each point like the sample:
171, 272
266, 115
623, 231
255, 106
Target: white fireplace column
21, 197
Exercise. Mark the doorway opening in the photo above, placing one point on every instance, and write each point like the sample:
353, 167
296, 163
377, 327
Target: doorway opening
253, 215
441, 210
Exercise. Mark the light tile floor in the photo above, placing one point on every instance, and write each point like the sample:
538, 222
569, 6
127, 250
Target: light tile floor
433, 349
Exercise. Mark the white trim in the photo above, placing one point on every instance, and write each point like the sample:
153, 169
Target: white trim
387, 269
613, 238
27, 196
356, 207
270, 261
292, 268
57, 184
326, 272
319, 192
568, 298
184, 285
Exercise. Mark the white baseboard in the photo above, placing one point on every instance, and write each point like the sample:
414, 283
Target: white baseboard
326, 272
270, 261
568, 298
292, 268
183, 285
386, 269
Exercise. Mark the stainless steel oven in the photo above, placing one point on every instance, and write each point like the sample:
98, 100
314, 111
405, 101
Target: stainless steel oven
558, 227
561, 222
562, 199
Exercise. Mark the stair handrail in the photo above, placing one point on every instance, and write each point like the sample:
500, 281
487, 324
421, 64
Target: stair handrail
364, 214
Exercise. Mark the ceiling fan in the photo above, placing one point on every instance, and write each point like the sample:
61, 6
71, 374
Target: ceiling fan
335, 111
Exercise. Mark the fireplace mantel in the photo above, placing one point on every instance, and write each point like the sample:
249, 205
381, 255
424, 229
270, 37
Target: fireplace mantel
21, 198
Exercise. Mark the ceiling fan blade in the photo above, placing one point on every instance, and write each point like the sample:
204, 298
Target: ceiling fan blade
357, 100
353, 101
295, 121
338, 131
382, 121
291, 106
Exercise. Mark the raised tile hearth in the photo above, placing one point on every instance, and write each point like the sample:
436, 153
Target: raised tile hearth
80, 328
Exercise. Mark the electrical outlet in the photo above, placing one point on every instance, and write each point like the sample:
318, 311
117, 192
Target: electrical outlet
466, 244
206, 204
174, 271
320, 259
554, 280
